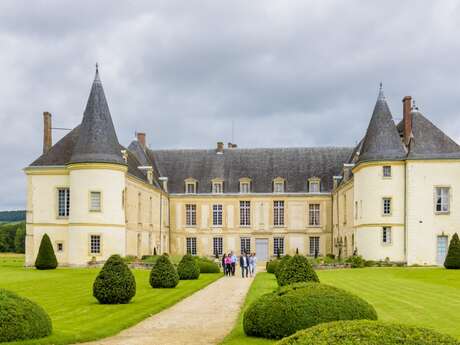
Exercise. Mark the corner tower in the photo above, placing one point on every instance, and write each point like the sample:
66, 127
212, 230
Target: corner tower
97, 174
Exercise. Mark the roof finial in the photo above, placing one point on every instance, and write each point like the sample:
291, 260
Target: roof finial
414, 107
381, 95
96, 77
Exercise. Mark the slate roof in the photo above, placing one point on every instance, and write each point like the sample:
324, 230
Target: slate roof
295, 165
382, 140
428, 141
97, 141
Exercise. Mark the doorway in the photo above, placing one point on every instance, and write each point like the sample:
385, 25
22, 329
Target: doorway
262, 249
442, 245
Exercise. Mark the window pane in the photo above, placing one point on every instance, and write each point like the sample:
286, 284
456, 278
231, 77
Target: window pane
386, 206
245, 245
245, 213
191, 245
63, 202
217, 246
314, 245
95, 244
314, 187
95, 201
314, 214
387, 171
217, 215
278, 213
278, 246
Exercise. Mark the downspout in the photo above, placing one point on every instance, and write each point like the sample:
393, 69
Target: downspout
161, 222
405, 211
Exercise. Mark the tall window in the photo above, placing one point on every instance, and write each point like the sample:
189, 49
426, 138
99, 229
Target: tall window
442, 199
190, 214
191, 245
95, 244
278, 187
217, 187
245, 245
217, 215
95, 201
278, 213
313, 186
386, 171
217, 245
386, 235
63, 202
386, 206
190, 188
245, 187
314, 245
356, 210
313, 214
278, 245
245, 213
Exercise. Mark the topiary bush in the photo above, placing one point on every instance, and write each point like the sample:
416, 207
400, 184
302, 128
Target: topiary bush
453, 255
207, 266
20, 318
356, 261
188, 268
272, 265
163, 273
115, 283
367, 333
296, 270
46, 260
283, 262
302, 305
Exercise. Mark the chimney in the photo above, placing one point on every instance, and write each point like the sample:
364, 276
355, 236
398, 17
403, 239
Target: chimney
220, 147
47, 140
407, 119
141, 139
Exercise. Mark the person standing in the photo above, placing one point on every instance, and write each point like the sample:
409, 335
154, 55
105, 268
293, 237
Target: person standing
234, 258
224, 264
254, 260
244, 265
251, 265
228, 265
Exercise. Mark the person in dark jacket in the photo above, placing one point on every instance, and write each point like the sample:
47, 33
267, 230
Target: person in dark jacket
244, 264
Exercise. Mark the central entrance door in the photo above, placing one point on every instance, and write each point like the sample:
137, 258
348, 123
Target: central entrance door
262, 249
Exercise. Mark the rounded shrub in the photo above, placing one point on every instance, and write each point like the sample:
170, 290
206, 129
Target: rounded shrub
115, 283
453, 255
207, 266
20, 318
188, 268
163, 273
46, 260
296, 270
272, 265
283, 262
364, 332
303, 305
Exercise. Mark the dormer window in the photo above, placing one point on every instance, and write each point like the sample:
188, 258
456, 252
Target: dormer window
278, 185
245, 185
190, 186
314, 185
217, 186
386, 171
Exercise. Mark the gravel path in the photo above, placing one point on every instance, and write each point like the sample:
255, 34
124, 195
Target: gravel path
203, 318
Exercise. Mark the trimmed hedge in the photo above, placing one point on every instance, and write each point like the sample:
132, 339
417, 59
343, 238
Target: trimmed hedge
188, 268
115, 283
207, 266
299, 306
367, 333
296, 270
453, 255
283, 262
272, 265
356, 261
163, 273
46, 260
20, 318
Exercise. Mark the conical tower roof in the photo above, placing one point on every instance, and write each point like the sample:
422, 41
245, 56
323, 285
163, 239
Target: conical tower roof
382, 141
97, 142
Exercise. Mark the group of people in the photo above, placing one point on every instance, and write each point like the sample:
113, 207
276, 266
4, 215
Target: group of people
247, 264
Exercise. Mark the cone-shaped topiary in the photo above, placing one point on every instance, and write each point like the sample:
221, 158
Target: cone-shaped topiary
163, 274
20, 318
283, 262
115, 283
453, 255
188, 268
296, 270
46, 260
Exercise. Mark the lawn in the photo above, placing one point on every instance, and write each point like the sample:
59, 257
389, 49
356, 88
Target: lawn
66, 294
427, 297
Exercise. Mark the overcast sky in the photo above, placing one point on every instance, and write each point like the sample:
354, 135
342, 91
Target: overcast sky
286, 73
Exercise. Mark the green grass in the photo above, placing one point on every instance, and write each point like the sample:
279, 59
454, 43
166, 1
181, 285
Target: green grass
66, 294
426, 297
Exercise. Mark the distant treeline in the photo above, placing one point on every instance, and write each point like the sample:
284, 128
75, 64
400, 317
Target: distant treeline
12, 237
12, 216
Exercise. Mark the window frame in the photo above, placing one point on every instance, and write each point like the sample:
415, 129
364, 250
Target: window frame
245, 243
245, 213
314, 214
191, 182
385, 170
91, 208
436, 197
217, 215
90, 245
386, 236
390, 206
191, 246
316, 241
218, 245
314, 181
217, 186
66, 200
190, 215
279, 213
280, 245
279, 181
59, 243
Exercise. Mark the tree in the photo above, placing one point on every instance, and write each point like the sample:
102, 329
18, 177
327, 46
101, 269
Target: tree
115, 283
46, 259
20, 239
188, 268
163, 274
453, 255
